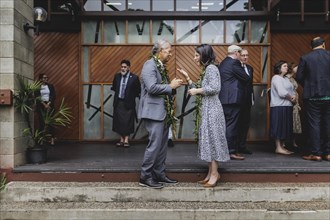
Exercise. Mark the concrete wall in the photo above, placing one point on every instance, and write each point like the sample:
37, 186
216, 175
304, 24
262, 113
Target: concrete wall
16, 58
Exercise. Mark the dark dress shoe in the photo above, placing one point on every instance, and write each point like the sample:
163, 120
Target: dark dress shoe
236, 157
166, 180
326, 157
312, 157
151, 183
245, 151
170, 143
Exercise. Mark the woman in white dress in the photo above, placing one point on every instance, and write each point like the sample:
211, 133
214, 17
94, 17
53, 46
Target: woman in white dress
210, 120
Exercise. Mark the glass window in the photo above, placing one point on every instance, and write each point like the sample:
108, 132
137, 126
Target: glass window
108, 112
212, 32
138, 32
237, 32
237, 5
86, 64
162, 5
187, 31
114, 5
163, 29
260, 5
93, 5
314, 6
92, 113
91, 32
259, 32
290, 6
212, 5
114, 32
139, 5
187, 5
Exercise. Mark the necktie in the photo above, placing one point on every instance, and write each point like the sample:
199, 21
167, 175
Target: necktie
123, 87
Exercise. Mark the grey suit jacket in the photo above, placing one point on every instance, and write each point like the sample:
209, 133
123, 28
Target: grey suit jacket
152, 102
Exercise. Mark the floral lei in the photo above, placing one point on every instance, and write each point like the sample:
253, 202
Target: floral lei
198, 101
170, 118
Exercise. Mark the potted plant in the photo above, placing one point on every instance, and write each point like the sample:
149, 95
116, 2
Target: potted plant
25, 102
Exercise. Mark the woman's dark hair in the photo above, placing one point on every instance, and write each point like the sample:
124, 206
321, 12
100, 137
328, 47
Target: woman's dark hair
41, 75
291, 66
278, 65
206, 53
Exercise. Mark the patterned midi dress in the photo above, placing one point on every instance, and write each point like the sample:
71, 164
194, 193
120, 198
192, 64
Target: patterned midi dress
212, 144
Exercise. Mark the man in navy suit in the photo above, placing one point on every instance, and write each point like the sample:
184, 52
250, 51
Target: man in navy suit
245, 113
232, 95
127, 87
314, 75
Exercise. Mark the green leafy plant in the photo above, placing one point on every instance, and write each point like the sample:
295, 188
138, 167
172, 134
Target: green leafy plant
25, 102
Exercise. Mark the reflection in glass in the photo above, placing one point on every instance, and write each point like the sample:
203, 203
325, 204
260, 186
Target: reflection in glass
264, 64
114, 32
163, 29
237, 31
258, 125
187, 5
212, 5
139, 5
93, 5
259, 32
117, 5
92, 113
163, 5
108, 112
86, 64
237, 5
91, 32
138, 31
212, 32
187, 31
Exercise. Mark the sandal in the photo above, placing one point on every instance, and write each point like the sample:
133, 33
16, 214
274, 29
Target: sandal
126, 144
120, 144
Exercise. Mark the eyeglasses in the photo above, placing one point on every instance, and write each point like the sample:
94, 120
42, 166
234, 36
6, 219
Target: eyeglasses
45, 77
124, 67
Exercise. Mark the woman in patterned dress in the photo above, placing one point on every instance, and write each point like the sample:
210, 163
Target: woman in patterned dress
212, 143
296, 107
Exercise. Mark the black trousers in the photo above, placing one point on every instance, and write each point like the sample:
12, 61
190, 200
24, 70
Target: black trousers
318, 126
232, 112
243, 125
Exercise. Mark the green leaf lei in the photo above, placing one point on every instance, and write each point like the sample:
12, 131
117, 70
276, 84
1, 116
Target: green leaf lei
198, 101
170, 118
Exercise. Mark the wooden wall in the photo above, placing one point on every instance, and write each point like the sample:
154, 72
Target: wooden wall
57, 55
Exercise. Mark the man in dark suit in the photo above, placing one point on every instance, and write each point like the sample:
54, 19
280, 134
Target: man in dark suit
232, 95
314, 75
127, 87
245, 112
155, 110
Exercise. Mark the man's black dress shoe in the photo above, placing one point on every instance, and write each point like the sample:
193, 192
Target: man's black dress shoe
244, 151
151, 183
170, 143
166, 180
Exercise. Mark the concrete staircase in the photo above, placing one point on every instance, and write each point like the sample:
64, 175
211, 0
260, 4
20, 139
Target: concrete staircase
72, 200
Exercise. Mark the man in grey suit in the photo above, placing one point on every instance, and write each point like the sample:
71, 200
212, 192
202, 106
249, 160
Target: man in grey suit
155, 109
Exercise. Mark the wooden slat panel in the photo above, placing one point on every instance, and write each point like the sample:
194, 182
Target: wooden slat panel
57, 55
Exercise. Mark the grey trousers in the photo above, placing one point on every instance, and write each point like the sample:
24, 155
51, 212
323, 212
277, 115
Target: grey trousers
153, 165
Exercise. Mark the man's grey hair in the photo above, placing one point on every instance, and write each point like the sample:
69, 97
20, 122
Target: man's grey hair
160, 44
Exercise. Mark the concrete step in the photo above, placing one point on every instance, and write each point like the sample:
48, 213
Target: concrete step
118, 201
181, 192
165, 210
